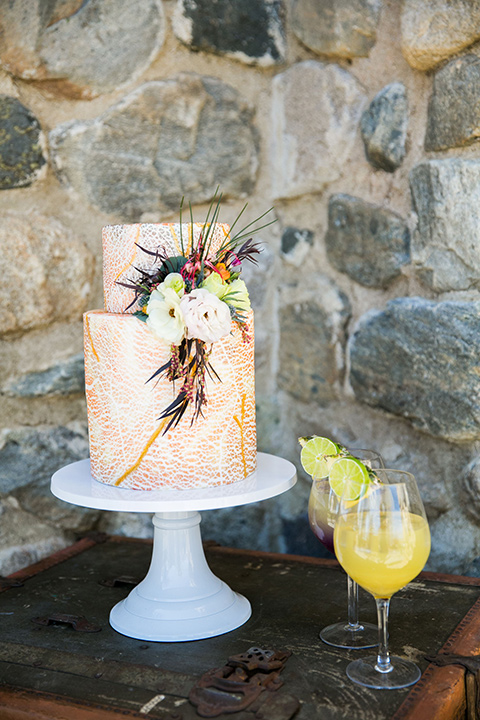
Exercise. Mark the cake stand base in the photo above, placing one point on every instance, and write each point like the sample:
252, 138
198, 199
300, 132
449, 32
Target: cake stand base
180, 598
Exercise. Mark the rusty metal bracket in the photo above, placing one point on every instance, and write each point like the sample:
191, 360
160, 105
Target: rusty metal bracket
121, 581
239, 683
77, 622
472, 678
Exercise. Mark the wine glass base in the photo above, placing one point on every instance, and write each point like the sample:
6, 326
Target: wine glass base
341, 635
403, 674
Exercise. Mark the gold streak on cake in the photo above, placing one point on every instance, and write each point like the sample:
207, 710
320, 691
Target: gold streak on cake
174, 235
143, 453
125, 267
240, 425
87, 326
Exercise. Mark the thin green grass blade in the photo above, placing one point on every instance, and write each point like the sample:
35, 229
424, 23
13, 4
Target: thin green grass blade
181, 237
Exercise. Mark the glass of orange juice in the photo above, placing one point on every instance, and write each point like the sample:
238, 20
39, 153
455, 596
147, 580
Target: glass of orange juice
382, 540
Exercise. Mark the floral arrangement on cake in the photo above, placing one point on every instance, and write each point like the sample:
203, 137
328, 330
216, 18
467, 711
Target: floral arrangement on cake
190, 300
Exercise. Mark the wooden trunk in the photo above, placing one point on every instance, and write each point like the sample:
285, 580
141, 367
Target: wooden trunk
58, 673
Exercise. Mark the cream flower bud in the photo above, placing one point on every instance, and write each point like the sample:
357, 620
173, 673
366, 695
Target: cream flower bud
215, 285
237, 295
173, 281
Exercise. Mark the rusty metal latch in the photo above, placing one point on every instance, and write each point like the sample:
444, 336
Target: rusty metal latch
472, 678
238, 684
77, 622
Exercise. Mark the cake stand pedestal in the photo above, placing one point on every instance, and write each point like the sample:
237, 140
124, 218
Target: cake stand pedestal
180, 598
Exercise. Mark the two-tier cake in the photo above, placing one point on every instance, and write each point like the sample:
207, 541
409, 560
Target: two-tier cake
169, 364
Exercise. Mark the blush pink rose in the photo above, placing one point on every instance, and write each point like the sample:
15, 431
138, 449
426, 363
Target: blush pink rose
206, 317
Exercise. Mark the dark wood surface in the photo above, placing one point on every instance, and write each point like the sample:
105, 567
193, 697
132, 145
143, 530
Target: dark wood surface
55, 672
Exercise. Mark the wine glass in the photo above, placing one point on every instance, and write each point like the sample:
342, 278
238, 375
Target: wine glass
382, 540
323, 505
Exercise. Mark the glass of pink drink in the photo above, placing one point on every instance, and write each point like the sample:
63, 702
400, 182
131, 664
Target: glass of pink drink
323, 506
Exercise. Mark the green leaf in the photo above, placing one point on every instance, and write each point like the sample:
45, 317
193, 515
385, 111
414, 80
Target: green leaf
174, 264
140, 315
237, 315
181, 237
143, 300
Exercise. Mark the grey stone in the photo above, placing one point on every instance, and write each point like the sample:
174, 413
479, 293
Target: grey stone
434, 30
312, 340
65, 378
260, 280
316, 109
270, 431
470, 494
80, 49
337, 28
29, 455
453, 111
296, 244
137, 525
257, 275
167, 139
57, 266
251, 31
455, 543
21, 139
473, 570
256, 526
384, 127
38, 500
419, 359
24, 539
36, 351
446, 198
367, 242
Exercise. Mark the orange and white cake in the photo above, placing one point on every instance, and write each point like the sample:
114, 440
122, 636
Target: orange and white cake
130, 443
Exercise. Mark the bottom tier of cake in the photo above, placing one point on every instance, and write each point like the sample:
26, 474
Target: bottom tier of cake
128, 445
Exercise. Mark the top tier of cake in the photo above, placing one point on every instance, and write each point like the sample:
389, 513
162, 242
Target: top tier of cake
122, 253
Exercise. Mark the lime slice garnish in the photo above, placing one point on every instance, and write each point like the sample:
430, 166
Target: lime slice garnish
352, 471
314, 456
303, 440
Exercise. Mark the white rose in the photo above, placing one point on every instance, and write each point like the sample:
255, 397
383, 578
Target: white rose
207, 318
165, 317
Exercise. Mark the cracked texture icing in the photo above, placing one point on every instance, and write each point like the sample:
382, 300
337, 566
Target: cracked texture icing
128, 447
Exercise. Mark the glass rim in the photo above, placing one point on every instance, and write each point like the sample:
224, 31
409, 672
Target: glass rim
396, 471
363, 449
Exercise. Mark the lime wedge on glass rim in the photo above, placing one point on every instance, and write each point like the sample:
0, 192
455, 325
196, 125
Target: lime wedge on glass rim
352, 471
316, 456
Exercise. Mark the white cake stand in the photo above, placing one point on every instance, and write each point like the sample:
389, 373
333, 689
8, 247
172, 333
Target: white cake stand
180, 598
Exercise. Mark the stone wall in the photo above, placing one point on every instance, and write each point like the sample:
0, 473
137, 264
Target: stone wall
359, 121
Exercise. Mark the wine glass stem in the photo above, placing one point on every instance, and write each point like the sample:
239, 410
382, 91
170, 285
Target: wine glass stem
352, 595
383, 657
